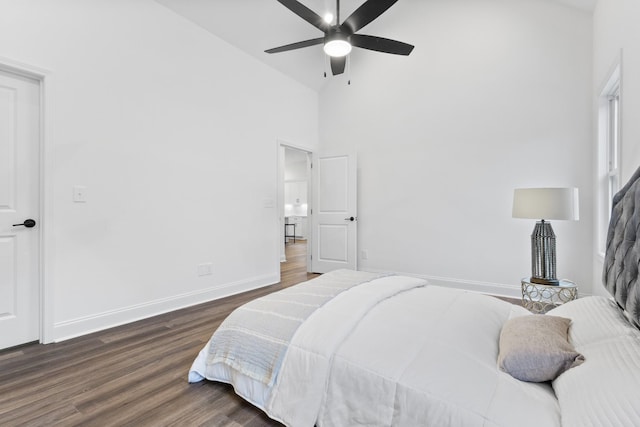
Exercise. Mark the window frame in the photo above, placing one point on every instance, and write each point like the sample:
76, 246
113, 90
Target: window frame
609, 151
613, 144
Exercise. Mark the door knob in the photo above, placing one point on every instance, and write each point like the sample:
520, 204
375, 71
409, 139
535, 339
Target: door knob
351, 218
27, 223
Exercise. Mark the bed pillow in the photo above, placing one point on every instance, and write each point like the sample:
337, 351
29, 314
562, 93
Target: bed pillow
535, 348
604, 391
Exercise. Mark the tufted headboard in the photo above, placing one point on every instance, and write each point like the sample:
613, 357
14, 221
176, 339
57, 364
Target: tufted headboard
620, 273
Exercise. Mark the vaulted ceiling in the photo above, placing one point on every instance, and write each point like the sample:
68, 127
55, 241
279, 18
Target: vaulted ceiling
255, 25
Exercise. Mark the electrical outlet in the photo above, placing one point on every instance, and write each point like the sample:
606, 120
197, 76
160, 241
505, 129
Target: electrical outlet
268, 203
205, 269
79, 194
364, 254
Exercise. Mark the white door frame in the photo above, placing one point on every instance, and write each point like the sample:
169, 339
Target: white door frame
45, 169
280, 200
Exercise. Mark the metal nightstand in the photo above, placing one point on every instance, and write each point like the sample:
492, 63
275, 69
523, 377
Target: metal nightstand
539, 298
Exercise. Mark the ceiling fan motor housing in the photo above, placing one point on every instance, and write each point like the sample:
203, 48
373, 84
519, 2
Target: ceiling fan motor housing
336, 33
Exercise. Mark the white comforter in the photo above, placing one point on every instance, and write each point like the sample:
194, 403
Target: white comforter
397, 352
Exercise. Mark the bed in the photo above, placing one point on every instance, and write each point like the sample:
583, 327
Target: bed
357, 348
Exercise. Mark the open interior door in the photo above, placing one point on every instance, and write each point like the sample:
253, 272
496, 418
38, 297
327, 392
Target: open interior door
334, 215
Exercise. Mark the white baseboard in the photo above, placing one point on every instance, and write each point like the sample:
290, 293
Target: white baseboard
498, 289
85, 325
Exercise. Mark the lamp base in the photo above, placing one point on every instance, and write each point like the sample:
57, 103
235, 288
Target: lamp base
543, 281
543, 255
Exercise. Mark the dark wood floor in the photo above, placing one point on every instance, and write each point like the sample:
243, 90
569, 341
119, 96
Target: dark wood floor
133, 375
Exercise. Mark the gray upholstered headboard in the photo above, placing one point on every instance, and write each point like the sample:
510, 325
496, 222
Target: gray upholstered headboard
620, 273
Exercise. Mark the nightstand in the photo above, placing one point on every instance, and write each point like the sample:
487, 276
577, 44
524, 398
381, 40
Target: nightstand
539, 298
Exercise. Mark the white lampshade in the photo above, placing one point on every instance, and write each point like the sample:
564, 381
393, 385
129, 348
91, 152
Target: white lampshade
546, 203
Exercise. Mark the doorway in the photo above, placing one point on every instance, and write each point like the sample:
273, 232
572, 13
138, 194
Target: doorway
294, 189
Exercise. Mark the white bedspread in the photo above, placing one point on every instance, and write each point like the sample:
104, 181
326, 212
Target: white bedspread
397, 352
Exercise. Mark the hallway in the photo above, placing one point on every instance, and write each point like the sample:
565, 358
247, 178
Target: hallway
294, 270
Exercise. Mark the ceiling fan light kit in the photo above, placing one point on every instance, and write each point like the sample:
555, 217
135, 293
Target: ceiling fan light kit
340, 38
337, 44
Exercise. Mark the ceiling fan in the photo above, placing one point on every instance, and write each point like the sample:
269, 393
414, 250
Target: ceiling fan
339, 38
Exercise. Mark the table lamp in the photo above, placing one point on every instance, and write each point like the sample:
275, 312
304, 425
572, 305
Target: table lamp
545, 204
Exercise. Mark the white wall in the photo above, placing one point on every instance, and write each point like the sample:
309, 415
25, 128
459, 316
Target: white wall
173, 132
496, 95
295, 165
617, 35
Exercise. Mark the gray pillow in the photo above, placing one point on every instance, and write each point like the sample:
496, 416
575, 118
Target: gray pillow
536, 348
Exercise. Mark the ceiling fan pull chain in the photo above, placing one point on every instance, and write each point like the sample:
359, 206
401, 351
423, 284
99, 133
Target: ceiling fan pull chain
325, 64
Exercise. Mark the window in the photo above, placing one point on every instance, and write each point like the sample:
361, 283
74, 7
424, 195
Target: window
609, 138
613, 144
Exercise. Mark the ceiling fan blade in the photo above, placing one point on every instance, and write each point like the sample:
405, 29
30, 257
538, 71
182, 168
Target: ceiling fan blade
380, 44
338, 64
298, 45
307, 14
366, 13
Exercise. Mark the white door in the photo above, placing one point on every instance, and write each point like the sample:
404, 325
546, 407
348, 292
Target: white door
19, 201
335, 213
